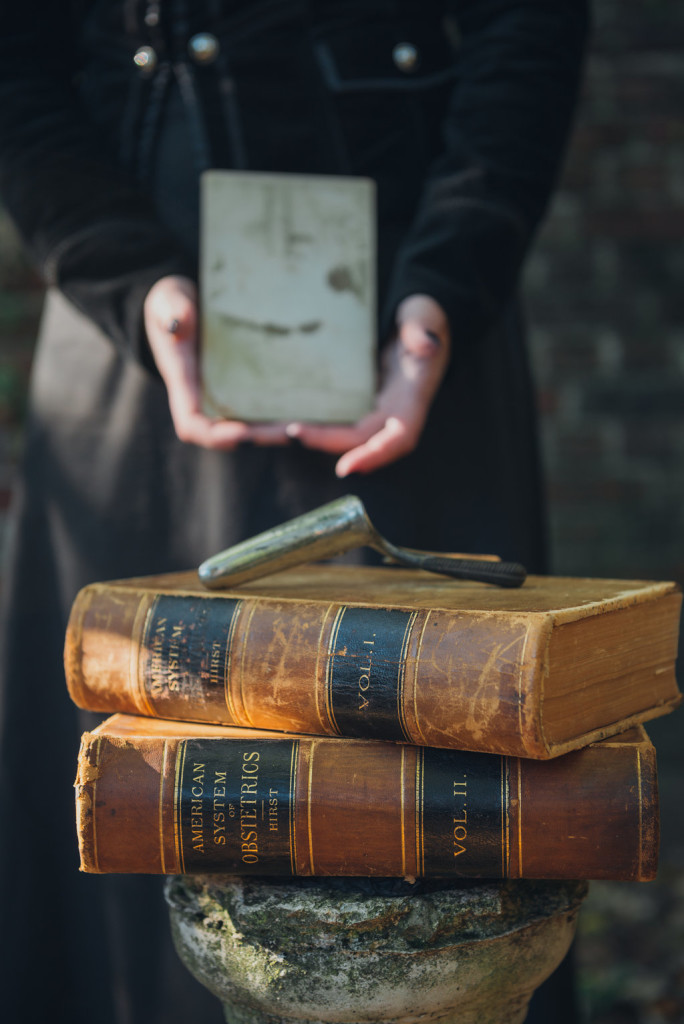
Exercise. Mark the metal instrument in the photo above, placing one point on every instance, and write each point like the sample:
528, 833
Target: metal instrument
331, 530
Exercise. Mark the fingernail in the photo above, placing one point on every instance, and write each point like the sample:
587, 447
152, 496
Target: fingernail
174, 327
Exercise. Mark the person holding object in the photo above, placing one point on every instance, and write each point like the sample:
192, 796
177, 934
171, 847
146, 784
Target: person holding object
412, 368
109, 111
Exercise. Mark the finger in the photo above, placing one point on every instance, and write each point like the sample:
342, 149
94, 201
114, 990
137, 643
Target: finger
426, 312
174, 307
181, 376
395, 440
179, 368
335, 438
419, 342
268, 433
196, 428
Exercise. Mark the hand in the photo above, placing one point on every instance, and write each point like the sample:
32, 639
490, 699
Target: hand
170, 315
413, 365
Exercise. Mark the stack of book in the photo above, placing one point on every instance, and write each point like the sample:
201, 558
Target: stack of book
334, 720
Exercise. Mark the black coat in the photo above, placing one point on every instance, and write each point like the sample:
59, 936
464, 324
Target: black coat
98, 166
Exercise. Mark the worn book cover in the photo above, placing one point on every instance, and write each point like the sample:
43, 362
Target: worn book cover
394, 654
288, 308
156, 796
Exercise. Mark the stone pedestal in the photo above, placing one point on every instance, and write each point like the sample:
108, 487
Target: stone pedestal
356, 951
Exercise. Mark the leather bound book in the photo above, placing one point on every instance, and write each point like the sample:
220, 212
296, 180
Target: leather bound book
383, 653
157, 796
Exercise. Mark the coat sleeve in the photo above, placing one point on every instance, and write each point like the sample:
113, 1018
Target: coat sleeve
91, 231
518, 71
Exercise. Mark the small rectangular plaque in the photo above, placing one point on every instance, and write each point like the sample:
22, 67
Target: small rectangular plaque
288, 296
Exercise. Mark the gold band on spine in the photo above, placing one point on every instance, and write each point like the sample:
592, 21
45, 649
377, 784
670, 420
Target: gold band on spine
141, 629
162, 773
96, 774
294, 761
401, 717
329, 668
419, 738
505, 819
177, 797
326, 723
420, 833
308, 809
227, 662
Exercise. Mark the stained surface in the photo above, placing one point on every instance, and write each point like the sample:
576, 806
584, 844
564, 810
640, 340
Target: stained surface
288, 295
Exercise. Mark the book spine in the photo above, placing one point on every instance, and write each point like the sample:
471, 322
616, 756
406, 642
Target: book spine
305, 806
432, 677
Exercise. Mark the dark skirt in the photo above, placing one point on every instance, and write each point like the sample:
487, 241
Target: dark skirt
107, 491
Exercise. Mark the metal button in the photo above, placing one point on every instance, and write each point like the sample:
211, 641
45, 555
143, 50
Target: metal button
406, 57
146, 58
204, 48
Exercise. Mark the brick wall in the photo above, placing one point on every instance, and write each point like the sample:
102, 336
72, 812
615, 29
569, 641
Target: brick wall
605, 301
606, 306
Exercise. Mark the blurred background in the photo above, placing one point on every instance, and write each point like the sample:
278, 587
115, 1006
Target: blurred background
605, 300
605, 297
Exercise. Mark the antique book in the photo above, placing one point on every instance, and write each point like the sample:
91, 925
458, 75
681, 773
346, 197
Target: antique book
383, 653
287, 296
171, 797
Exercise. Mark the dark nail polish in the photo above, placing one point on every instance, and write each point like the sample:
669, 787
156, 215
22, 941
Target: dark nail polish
173, 327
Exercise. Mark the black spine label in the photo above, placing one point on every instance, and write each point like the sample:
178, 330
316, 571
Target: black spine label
365, 674
234, 806
462, 814
184, 656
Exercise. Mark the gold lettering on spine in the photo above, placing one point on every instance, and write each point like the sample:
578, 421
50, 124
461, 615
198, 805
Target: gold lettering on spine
639, 798
329, 669
249, 825
459, 829
197, 807
294, 761
420, 738
402, 676
364, 680
312, 746
227, 675
177, 797
174, 663
324, 719
162, 773
420, 793
219, 816
98, 747
143, 623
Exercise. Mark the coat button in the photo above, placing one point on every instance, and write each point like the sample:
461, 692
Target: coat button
406, 57
146, 58
204, 48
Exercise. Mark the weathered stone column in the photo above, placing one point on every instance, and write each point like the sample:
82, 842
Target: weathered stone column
356, 951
